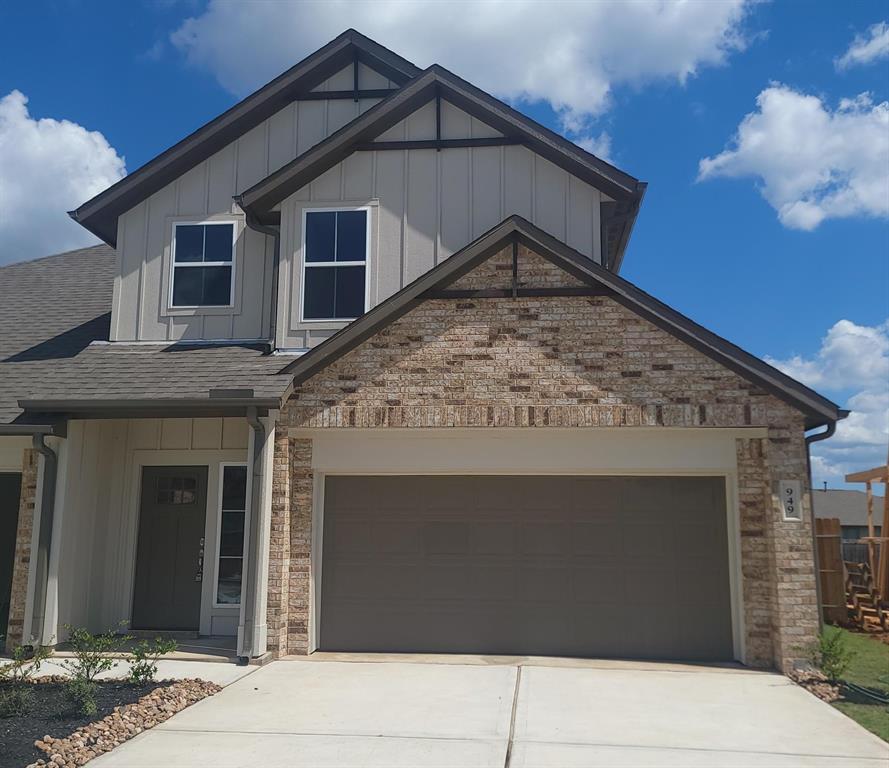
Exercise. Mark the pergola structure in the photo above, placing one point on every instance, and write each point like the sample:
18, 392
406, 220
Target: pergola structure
878, 559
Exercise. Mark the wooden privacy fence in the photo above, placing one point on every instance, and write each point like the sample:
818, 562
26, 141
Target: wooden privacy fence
830, 569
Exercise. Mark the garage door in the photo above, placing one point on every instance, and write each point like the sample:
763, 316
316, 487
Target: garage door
632, 567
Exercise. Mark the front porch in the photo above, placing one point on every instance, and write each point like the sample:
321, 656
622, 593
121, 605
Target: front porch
150, 534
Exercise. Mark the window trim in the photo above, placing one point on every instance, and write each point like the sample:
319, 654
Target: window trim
305, 265
173, 264
219, 510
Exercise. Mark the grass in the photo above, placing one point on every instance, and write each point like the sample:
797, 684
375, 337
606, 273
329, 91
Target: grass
869, 668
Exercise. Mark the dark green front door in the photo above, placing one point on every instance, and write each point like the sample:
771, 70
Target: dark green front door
169, 557
10, 489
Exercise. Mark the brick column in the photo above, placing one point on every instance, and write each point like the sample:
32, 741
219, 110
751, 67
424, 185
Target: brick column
778, 564
795, 618
301, 494
22, 562
279, 546
757, 561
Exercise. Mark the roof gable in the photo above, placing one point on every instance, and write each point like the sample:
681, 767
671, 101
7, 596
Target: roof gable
443, 281
99, 214
437, 82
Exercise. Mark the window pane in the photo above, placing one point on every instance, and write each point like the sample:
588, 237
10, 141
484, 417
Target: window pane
218, 242
351, 235
231, 537
320, 235
217, 285
234, 488
228, 588
189, 242
318, 293
187, 286
349, 291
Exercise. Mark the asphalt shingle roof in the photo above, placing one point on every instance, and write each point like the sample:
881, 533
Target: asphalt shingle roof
56, 311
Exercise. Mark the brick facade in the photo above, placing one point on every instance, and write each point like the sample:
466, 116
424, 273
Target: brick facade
566, 361
22, 562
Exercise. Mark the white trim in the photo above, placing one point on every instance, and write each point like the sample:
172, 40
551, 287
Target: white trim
137, 460
222, 467
459, 460
232, 264
304, 264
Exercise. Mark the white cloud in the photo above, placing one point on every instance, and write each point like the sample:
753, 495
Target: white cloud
814, 163
866, 49
599, 145
851, 358
47, 167
570, 54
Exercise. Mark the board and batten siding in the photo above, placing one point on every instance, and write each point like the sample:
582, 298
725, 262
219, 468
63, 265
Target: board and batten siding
98, 524
141, 291
427, 204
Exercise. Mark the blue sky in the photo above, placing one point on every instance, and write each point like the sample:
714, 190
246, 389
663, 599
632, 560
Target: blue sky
809, 294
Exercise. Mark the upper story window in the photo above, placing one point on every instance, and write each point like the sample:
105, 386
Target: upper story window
335, 252
203, 264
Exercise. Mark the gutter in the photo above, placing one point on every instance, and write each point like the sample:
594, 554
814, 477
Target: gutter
253, 575
275, 233
44, 534
816, 438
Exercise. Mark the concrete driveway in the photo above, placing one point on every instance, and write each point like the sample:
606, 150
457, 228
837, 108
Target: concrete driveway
496, 713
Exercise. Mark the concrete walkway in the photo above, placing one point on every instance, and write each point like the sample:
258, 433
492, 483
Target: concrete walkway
495, 714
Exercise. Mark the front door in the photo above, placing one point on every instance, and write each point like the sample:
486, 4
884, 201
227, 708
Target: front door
169, 556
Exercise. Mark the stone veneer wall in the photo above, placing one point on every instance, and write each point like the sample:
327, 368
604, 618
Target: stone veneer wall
568, 362
22, 562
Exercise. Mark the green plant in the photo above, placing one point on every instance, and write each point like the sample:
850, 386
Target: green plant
144, 657
15, 701
82, 696
831, 653
91, 653
24, 665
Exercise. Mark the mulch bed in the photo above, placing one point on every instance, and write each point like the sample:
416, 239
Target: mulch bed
50, 735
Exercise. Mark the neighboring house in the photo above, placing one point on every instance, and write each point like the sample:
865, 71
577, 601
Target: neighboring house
850, 508
356, 371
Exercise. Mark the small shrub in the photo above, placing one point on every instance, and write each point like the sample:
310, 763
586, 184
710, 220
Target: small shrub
144, 657
24, 665
831, 653
81, 695
91, 653
15, 701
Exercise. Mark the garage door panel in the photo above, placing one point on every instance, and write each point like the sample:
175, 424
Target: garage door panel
590, 566
497, 537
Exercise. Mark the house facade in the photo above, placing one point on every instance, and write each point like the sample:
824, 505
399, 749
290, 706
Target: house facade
355, 370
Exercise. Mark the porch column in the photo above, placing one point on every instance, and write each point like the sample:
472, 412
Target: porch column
252, 625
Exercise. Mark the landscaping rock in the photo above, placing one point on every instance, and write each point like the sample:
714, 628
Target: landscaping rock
817, 684
125, 722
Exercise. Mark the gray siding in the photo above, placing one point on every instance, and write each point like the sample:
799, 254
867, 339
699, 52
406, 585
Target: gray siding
140, 299
430, 204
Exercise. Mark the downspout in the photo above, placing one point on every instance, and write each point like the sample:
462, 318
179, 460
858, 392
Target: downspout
253, 575
44, 534
829, 432
275, 233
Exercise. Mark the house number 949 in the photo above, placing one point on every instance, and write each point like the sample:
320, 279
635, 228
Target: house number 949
791, 499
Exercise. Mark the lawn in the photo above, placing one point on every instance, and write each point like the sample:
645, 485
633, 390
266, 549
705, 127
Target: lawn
869, 668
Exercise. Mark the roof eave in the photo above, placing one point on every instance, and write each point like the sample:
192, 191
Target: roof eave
260, 198
99, 214
817, 409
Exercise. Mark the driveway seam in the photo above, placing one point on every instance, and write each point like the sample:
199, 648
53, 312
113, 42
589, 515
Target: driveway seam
515, 706
699, 749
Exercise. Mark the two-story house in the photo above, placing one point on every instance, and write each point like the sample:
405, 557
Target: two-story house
356, 370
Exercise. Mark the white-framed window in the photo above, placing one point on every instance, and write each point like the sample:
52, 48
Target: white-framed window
336, 249
230, 538
203, 264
